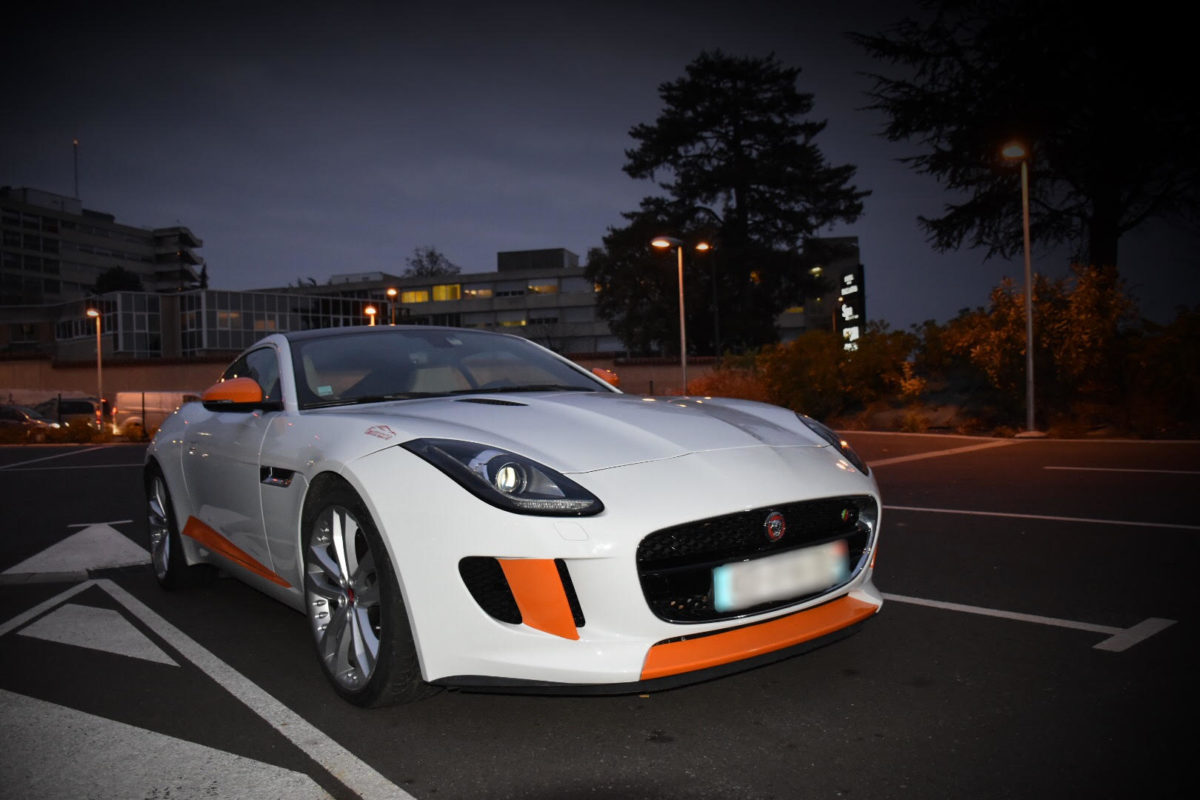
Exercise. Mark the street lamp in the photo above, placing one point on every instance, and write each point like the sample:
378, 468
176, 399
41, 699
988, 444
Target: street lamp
1016, 151
371, 311
95, 314
665, 243
391, 295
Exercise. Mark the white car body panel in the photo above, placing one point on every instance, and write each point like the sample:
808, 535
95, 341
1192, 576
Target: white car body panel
653, 462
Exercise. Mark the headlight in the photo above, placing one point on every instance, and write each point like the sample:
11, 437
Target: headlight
842, 446
507, 480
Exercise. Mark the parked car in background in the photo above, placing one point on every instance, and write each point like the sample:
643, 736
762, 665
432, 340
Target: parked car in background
74, 412
18, 423
138, 414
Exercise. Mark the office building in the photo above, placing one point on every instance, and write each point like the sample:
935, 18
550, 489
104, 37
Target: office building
52, 250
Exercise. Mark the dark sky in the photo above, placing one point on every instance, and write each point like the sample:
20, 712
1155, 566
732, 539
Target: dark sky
304, 140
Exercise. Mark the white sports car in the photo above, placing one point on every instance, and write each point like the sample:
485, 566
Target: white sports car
459, 508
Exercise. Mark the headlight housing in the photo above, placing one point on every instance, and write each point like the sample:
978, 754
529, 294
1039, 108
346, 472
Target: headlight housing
507, 480
840, 444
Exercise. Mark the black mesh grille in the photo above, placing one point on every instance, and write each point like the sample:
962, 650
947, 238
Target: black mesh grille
484, 578
486, 582
569, 588
675, 564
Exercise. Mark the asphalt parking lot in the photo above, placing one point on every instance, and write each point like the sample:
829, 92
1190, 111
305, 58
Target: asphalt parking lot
1036, 642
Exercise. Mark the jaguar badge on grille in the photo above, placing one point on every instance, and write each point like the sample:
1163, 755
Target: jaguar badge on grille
775, 526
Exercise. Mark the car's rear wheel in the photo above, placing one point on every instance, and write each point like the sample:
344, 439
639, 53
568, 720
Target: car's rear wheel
355, 609
166, 551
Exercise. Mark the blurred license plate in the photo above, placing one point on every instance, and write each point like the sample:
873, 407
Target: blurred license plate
748, 583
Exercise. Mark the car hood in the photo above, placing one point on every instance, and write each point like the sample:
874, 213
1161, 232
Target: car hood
583, 432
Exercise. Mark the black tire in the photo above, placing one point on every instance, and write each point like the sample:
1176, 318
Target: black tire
166, 551
355, 609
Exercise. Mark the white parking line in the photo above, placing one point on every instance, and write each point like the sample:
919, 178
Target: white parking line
954, 451
1087, 520
1122, 469
346, 767
1119, 639
73, 466
56, 455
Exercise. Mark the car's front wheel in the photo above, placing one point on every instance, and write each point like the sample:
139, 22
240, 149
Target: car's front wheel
355, 609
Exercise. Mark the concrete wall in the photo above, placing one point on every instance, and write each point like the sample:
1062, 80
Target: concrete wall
29, 381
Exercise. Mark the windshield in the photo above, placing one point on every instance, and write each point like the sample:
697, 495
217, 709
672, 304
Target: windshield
404, 363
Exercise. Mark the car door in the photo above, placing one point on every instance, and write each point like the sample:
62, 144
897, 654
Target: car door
221, 464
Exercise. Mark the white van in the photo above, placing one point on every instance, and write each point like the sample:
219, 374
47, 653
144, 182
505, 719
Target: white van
138, 414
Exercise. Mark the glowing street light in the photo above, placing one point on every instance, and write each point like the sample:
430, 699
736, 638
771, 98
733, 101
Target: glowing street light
95, 314
391, 295
1016, 151
665, 243
371, 311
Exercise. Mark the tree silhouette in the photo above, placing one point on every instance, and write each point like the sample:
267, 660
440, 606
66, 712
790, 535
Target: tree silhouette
734, 152
1094, 94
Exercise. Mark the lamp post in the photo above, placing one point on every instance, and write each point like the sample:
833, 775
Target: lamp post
664, 243
704, 247
371, 311
95, 314
1016, 151
391, 295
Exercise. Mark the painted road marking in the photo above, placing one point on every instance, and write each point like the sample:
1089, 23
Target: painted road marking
1122, 469
138, 465
343, 765
883, 462
1087, 520
97, 546
1119, 639
97, 629
56, 455
89, 756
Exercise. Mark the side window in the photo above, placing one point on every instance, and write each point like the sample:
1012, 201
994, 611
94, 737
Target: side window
262, 366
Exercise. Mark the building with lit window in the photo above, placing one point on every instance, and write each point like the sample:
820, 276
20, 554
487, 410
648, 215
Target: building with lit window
542, 295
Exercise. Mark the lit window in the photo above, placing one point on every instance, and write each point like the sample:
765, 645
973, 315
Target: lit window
477, 291
415, 296
543, 288
447, 291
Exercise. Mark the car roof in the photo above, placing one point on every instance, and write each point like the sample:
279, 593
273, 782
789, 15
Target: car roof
382, 330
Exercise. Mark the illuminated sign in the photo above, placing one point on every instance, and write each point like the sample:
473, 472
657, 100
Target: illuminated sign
852, 305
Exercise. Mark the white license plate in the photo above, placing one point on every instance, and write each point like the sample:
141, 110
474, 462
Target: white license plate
811, 569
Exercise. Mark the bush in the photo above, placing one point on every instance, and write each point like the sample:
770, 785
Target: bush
738, 382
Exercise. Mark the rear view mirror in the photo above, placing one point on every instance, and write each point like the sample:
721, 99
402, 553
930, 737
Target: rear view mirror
236, 394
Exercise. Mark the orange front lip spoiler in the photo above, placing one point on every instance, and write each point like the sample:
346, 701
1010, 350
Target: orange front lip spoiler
725, 647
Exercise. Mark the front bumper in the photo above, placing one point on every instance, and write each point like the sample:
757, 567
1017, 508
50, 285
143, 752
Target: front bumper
431, 525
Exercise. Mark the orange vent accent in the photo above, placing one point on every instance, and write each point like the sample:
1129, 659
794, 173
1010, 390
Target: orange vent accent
674, 658
207, 536
540, 595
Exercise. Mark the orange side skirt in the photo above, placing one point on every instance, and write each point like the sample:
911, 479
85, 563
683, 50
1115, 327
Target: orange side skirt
674, 658
214, 541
